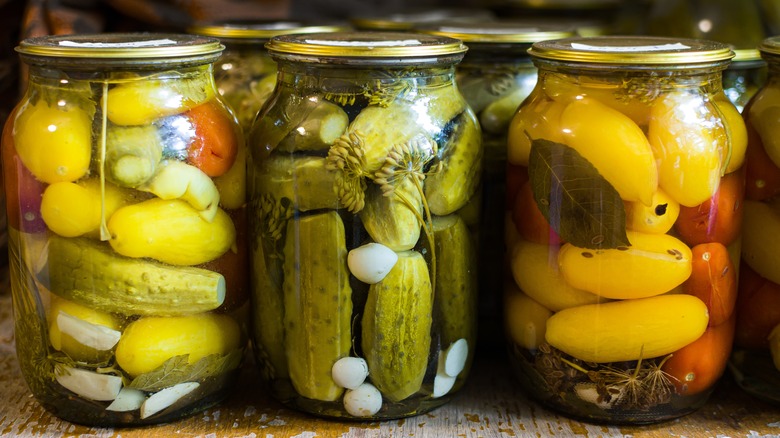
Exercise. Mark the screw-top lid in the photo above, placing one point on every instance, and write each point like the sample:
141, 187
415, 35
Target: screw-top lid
405, 21
770, 46
371, 47
253, 31
499, 31
633, 51
119, 49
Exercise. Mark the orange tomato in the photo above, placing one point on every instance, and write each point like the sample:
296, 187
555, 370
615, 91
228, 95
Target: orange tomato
762, 179
757, 309
697, 366
216, 142
529, 220
516, 176
22, 190
718, 219
713, 280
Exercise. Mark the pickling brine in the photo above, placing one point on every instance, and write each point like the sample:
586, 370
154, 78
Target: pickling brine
626, 183
128, 256
361, 175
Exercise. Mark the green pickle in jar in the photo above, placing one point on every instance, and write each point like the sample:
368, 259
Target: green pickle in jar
495, 76
129, 270
363, 270
755, 361
624, 238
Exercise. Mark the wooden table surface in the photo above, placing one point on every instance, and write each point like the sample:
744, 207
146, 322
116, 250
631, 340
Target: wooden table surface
490, 405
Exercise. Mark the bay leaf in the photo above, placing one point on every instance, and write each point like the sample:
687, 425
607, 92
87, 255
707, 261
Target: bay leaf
578, 203
178, 369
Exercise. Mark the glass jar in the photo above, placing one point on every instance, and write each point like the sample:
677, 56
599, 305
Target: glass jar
410, 19
245, 74
128, 258
364, 279
755, 362
495, 76
744, 76
589, 17
628, 185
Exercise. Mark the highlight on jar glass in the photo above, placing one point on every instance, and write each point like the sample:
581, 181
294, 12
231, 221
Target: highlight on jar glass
128, 254
755, 361
744, 76
244, 73
495, 76
363, 270
627, 184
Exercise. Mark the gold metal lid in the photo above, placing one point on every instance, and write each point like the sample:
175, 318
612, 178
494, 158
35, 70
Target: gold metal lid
564, 4
633, 50
367, 45
770, 46
746, 55
405, 21
129, 46
499, 31
259, 30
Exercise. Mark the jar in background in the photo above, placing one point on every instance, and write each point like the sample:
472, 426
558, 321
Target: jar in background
128, 258
495, 76
744, 76
364, 278
245, 74
410, 19
629, 180
588, 17
756, 358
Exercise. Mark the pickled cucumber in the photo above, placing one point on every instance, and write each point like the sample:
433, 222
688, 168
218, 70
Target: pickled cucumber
267, 322
87, 272
389, 220
132, 154
303, 180
318, 130
396, 327
317, 303
450, 187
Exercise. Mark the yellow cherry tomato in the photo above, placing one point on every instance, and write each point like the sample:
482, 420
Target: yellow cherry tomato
658, 217
537, 118
69, 344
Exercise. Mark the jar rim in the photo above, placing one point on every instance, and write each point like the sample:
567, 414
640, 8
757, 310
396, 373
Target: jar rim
258, 29
135, 47
499, 31
633, 51
366, 45
409, 19
770, 45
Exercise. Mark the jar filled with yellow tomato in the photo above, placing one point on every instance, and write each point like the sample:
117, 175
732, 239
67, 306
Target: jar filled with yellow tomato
625, 188
756, 357
126, 228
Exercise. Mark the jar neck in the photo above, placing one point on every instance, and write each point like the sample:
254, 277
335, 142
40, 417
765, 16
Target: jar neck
45, 74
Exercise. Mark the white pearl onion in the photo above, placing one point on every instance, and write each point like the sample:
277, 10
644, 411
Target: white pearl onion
371, 262
349, 372
363, 401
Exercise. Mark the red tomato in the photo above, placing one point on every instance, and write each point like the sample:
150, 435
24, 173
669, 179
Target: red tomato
234, 265
216, 142
762, 180
713, 280
529, 220
717, 220
22, 190
758, 309
516, 176
697, 366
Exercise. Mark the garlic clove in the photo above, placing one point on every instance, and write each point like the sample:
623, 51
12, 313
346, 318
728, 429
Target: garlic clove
350, 372
166, 397
371, 262
129, 399
88, 384
363, 401
442, 384
455, 358
96, 336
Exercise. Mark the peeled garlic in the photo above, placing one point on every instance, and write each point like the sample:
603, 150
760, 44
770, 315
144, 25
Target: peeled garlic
96, 336
349, 372
371, 262
88, 384
129, 399
442, 384
454, 358
363, 401
166, 397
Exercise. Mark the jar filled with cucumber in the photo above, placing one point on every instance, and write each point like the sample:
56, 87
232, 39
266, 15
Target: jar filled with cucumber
128, 255
755, 361
626, 186
245, 74
495, 76
363, 269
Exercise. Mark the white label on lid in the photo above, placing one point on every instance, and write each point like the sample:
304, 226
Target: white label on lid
658, 48
366, 43
149, 43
